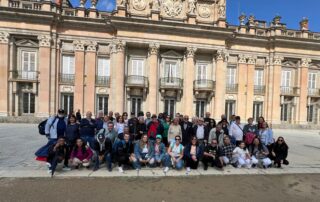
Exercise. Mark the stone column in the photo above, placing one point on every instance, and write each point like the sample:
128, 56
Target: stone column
188, 81
275, 98
242, 90
302, 119
79, 75
117, 76
44, 75
250, 86
219, 103
90, 61
4, 69
153, 77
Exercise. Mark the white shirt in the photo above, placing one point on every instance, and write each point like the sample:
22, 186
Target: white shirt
238, 152
145, 149
200, 132
176, 150
236, 132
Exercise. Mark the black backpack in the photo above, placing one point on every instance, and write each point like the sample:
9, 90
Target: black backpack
42, 126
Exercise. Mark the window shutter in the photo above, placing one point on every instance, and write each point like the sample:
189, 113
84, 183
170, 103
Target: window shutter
107, 67
140, 68
176, 70
32, 61
71, 67
25, 61
166, 70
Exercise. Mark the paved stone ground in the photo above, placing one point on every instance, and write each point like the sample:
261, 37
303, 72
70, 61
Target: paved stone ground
18, 142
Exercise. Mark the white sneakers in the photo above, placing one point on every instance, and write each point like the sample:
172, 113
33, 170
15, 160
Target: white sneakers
188, 170
166, 169
120, 169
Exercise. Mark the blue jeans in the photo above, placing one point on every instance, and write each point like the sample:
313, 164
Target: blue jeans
107, 158
137, 164
90, 140
158, 158
168, 162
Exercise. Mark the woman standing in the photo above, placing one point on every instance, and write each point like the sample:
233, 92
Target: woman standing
72, 134
193, 153
166, 125
120, 125
280, 152
174, 130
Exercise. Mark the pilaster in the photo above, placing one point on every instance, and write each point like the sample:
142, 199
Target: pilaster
303, 101
4, 67
275, 98
153, 77
242, 81
250, 85
188, 80
219, 103
79, 75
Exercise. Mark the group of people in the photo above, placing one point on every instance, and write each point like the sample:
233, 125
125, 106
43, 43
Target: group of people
165, 141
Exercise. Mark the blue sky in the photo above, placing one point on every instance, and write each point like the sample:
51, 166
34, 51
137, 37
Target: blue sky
292, 11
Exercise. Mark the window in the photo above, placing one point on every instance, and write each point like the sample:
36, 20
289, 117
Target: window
230, 107
67, 102
170, 106
28, 65
28, 103
258, 78
200, 108
102, 103
231, 75
285, 112
286, 78
68, 64
103, 67
310, 113
202, 71
137, 67
171, 70
312, 80
257, 110
136, 103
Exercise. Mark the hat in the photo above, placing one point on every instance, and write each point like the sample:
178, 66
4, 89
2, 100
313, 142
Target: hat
159, 136
60, 111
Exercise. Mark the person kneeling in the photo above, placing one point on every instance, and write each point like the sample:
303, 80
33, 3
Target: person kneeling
241, 156
56, 154
212, 154
143, 153
259, 154
123, 151
175, 155
81, 154
193, 152
103, 148
159, 150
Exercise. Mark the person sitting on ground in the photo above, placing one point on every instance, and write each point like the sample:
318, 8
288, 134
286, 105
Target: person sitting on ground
192, 154
141, 128
241, 156
213, 155
159, 151
250, 131
174, 155
88, 129
266, 135
56, 154
123, 152
143, 153
236, 131
155, 127
103, 149
81, 154
174, 130
280, 152
259, 154
72, 134
216, 133
227, 150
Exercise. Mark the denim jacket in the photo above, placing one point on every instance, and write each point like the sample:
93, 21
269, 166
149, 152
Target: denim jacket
162, 150
199, 151
266, 136
138, 150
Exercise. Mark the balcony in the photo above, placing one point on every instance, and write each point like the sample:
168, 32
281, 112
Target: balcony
290, 91
137, 81
25, 75
30, 5
171, 82
314, 92
66, 78
231, 88
103, 81
203, 85
259, 89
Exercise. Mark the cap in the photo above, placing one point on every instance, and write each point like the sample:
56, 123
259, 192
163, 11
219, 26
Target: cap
60, 111
159, 136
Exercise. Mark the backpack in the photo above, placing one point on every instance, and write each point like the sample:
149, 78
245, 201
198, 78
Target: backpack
248, 138
42, 126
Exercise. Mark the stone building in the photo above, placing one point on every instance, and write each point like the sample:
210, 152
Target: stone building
155, 55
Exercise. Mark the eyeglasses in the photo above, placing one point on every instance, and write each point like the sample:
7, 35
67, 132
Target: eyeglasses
178, 139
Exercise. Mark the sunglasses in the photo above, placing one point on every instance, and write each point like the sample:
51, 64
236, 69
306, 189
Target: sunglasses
178, 139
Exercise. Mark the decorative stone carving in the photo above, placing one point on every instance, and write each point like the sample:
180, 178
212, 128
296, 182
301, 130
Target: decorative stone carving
242, 18
91, 46
139, 5
191, 6
276, 20
242, 59
78, 45
204, 10
155, 5
222, 12
191, 51
251, 60
277, 60
251, 21
82, 2
304, 24
121, 2
305, 62
154, 48
172, 8
221, 55
93, 4
44, 40
118, 46
4, 37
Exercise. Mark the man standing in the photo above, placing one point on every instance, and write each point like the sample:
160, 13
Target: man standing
110, 114
236, 130
155, 127
201, 131
99, 120
88, 129
132, 123
187, 131
148, 119
209, 122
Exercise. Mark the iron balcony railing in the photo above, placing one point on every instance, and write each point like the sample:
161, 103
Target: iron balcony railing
25, 75
66, 78
314, 92
136, 80
171, 82
103, 81
259, 89
231, 88
289, 90
204, 84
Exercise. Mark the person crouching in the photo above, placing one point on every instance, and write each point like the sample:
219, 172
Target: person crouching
56, 154
159, 151
143, 153
81, 154
103, 148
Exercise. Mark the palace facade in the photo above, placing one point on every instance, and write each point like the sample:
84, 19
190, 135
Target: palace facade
158, 56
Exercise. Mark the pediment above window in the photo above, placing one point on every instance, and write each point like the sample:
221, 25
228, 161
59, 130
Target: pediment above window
26, 43
171, 54
289, 64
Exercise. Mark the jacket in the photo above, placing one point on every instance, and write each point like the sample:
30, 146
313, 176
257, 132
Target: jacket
107, 147
87, 129
51, 126
213, 135
162, 150
81, 156
206, 131
187, 149
112, 135
138, 150
186, 133
159, 130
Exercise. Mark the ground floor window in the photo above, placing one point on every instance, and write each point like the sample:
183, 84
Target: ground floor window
200, 108
170, 107
285, 112
67, 102
257, 110
312, 114
230, 108
102, 104
136, 103
28, 103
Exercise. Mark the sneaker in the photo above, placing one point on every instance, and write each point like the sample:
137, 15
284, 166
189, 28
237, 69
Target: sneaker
166, 169
48, 165
66, 168
120, 169
188, 170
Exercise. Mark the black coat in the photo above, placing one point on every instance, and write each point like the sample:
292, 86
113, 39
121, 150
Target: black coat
107, 147
186, 133
206, 132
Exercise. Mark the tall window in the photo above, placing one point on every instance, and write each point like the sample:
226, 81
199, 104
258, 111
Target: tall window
286, 78
258, 78
103, 67
257, 110
170, 106
230, 108
312, 80
310, 113
231, 75
102, 104
136, 103
67, 102
28, 63
202, 71
137, 67
68, 64
285, 112
28, 103
171, 70
200, 108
